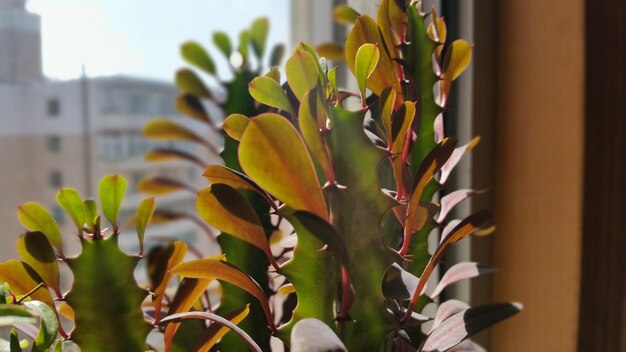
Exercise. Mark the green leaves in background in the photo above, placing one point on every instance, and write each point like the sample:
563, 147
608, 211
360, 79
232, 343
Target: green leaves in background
196, 55
48, 325
258, 35
345, 14
111, 192
222, 42
36, 218
189, 82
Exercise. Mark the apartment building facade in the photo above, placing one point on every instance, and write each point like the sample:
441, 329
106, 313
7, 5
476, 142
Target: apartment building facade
71, 133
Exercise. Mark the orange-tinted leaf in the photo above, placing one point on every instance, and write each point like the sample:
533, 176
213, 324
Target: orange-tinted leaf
310, 107
237, 180
22, 279
267, 91
456, 60
36, 218
159, 186
427, 170
388, 99
36, 251
191, 106
286, 169
166, 130
331, 51
302, 72
222, 207
189, 82
388, 24
366, 60
365, 31
234, 125
401, 125
216, 331
345, 14
166, 154
273, 73
221, 270
175, 319
176, 256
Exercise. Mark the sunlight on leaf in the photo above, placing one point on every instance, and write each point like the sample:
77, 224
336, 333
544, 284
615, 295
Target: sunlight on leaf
36, 218
111, 191
234, 125
266, 91
196, 55
366, 60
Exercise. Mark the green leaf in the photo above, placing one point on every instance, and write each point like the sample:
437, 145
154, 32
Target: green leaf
196, 55
111, 192
91, 212
222, 42
366, 60
244, 44
221, 270
267, 91
345, 14
106, 299
388, 100
277, 55
273, 73
302, 73
48, 325
235, 125
191, 106
144, 214
70, 201
286, 169
258, 35
189, 82
456, 60
15, 314
23, 279
36, 251
332, 78
366, 31
222, 207
36, 218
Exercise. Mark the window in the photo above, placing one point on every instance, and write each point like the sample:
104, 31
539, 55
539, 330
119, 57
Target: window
138, 104
54, 179
53, 107
53, 144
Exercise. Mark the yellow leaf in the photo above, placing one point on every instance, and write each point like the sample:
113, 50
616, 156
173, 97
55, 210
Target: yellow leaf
234, 125
302, 73
456, 60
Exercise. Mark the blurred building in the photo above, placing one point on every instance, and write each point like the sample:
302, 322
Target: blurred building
71, 133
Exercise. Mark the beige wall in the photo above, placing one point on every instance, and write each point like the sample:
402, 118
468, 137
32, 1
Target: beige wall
26, 165
538, 170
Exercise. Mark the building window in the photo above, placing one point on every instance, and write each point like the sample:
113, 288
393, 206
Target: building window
58, 214
53, 144
53, 107
54, 179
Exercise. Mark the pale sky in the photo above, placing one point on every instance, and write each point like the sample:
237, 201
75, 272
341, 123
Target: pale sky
142, 37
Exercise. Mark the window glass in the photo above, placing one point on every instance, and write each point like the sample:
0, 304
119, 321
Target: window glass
53, 144
53, 107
